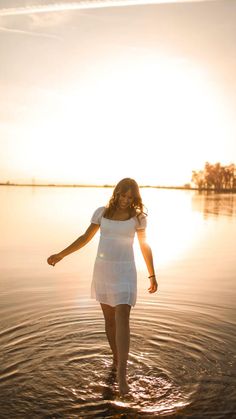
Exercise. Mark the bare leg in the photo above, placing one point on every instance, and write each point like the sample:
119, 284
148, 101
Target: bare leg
122, 342
110, 328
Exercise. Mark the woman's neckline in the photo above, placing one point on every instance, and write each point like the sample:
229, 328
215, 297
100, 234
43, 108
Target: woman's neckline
118, 220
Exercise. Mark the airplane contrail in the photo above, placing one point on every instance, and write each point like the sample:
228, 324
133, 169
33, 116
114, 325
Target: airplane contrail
86, 4
30, 33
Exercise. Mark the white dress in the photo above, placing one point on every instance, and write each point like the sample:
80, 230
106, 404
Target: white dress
114, 275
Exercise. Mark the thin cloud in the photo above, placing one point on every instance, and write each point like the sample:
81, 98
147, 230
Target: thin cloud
29, 33
85, 4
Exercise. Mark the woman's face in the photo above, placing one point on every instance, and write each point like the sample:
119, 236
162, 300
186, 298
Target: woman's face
125, 199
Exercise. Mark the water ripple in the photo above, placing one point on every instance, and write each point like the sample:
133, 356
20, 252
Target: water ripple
58, 364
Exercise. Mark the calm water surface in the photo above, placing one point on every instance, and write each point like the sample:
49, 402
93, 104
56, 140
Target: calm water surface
55, 359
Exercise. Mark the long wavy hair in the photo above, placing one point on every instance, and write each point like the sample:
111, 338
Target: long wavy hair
136, 207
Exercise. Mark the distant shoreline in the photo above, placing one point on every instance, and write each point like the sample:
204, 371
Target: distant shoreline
52, 185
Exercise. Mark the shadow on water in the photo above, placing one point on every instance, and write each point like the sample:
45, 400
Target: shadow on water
109, 391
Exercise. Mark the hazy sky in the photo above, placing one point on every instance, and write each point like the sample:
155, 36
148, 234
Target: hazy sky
95, 95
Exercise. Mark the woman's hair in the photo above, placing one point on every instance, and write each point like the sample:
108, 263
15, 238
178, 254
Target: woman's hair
136, 207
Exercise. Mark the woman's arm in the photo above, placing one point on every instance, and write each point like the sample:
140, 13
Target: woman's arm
147, 255
76, 245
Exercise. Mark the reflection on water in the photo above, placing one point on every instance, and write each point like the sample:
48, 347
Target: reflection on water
55, 360
218, 204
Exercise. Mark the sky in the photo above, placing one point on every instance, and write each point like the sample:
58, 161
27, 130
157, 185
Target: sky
95, 92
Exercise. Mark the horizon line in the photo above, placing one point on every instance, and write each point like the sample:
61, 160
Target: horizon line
187, 186
90, 185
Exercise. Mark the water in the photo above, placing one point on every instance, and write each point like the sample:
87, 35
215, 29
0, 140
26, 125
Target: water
55, 359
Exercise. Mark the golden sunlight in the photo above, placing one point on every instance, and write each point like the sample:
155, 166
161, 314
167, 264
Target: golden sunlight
169, 239
164, 107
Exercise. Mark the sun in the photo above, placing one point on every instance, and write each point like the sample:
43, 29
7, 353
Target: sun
152, 116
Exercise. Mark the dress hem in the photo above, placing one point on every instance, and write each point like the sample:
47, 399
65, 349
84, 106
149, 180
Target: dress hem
112, 305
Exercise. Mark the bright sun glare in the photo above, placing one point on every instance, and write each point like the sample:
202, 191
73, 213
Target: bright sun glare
169, 240
160, 102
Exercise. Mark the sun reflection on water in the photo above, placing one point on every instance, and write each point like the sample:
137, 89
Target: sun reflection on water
172, 229
153, 395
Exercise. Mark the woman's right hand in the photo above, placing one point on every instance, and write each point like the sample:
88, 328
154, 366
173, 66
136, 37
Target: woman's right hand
53, 259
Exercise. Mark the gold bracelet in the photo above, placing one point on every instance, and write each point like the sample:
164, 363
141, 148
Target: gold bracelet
152, 276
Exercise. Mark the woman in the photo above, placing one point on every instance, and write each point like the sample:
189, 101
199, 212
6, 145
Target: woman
114, 282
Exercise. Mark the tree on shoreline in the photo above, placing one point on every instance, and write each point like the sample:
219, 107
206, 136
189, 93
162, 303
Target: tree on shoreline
215, 177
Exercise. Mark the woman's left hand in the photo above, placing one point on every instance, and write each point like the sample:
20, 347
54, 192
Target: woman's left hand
153, 285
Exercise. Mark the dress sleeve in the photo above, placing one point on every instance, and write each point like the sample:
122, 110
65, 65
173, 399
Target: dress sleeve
97, 215
141, 222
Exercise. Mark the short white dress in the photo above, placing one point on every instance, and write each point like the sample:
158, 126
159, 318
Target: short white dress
114, 275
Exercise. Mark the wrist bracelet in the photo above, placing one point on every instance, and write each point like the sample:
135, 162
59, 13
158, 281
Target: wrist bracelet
152, 276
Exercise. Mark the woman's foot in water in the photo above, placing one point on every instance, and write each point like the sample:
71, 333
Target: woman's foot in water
114, 363
122, 382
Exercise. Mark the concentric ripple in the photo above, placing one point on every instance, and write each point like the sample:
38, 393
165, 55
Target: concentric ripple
57, 363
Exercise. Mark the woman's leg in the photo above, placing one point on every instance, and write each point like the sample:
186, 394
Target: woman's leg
110, 328
122, 313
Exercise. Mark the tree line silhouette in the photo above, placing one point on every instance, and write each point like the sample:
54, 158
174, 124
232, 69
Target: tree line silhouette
215, 177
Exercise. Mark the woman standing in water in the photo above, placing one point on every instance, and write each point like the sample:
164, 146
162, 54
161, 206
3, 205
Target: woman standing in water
114, 282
